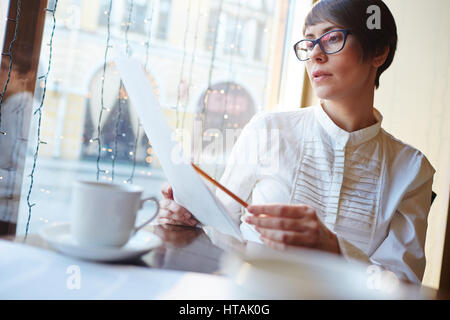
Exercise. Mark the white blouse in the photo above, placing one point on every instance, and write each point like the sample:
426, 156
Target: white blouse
372, 190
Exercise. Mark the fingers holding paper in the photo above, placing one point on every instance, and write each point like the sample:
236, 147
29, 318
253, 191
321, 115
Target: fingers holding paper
283, 226
167, 191
171, 212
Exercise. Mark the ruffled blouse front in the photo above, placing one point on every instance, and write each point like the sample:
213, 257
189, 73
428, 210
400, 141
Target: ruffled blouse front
338, 174
371, 189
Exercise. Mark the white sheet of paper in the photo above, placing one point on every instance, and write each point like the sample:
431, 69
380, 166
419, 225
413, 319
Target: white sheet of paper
188, 187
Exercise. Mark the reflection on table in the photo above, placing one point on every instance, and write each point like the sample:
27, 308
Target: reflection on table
185, 249
195, 263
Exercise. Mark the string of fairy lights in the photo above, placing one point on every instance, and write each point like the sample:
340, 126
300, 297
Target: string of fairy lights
186, 81
183, 61
149, 23
102, 92
10, 55
122, 95
234, 47
30, 205
192, 63
204, 111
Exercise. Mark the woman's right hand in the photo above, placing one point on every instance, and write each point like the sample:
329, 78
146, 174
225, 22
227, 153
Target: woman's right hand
171, 212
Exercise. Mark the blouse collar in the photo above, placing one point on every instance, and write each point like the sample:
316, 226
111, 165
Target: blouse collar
343, 138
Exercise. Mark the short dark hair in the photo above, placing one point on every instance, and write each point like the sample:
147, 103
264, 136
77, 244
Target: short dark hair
353, 15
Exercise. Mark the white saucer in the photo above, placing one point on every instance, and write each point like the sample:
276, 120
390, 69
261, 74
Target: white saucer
59, 237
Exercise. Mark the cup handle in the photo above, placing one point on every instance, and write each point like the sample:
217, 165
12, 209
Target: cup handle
141, 203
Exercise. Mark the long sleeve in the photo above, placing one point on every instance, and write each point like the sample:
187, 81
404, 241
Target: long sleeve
240, 174
402, 251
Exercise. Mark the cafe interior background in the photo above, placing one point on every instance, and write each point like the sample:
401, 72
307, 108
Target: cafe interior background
218, 61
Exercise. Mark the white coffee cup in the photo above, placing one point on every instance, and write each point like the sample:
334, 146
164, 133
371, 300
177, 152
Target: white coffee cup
104, 214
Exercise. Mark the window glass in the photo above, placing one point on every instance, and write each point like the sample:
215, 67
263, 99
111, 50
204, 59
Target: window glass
213, 65
162, 31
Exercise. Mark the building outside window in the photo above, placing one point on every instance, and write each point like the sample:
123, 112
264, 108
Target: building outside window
162, 30
235, 85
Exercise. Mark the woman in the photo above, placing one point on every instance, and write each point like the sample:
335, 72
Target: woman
342, 184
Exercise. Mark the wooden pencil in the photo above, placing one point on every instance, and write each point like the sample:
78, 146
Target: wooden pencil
217, 184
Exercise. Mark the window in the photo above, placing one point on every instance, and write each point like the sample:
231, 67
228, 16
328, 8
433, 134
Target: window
138, 16
127, 124
224, 90
230, 106
162, 31
51, 4
233, 36
211, 31
242, 29
258, 52
103, 13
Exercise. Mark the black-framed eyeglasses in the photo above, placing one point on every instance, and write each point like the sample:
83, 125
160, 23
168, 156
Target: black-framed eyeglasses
330, 42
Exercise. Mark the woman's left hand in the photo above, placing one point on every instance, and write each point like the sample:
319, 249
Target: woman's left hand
283, 226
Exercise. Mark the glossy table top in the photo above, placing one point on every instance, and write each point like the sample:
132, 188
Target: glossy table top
198, 251
183, 249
